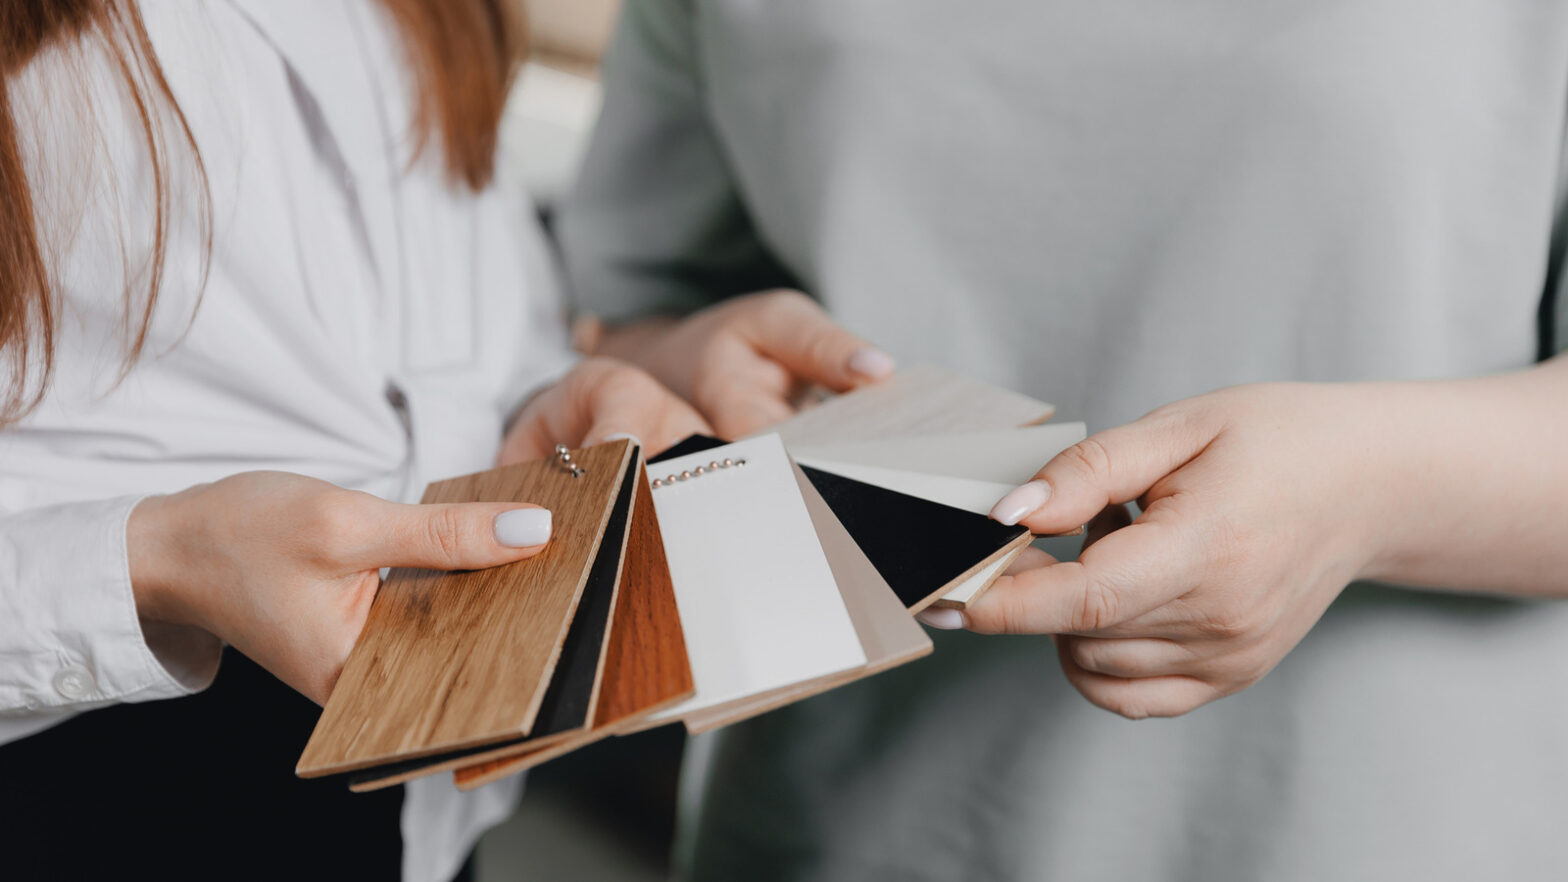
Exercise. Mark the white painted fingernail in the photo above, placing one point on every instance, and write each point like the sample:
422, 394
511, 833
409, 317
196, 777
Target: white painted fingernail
523, 527
942, 619
873, 363
1021, 503
623, 436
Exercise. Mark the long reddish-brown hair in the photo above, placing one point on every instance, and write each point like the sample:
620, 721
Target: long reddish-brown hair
464, 54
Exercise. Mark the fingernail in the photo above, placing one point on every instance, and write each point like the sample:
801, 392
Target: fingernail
523, 527
1021, 503
942, 619
873, 363
623, 436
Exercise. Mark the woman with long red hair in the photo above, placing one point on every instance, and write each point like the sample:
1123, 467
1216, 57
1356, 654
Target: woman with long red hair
258, 284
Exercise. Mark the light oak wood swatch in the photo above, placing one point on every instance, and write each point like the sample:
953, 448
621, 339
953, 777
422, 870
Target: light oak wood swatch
888, 634
569, 702
645, 665
454, 660
922, 400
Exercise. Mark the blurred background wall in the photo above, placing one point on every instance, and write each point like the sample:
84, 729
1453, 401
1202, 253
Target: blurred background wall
557, 96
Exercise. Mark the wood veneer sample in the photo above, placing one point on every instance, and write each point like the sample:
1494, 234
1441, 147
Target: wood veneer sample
923, 549
922, 400
645, 665
889, 635
568, 703
454, 660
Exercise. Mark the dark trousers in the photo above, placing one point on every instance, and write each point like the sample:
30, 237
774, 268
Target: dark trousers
194, 788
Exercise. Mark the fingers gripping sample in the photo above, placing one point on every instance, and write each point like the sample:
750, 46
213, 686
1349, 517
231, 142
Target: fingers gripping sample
645, 667
454, 660
568, 703
735, 583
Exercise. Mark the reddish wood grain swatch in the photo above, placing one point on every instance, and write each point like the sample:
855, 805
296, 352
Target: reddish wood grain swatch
453, 660
645, 664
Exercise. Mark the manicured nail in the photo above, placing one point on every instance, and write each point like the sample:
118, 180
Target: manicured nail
523, 527
623, 436
873, 363
942, 619
1021, 503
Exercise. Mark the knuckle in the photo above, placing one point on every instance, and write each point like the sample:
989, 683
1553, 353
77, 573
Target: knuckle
444, 532
1099, 608
1123, 703
1089, 456
1087, 654
1225, 625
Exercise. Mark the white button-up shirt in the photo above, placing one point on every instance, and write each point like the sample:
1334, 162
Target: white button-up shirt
359, 318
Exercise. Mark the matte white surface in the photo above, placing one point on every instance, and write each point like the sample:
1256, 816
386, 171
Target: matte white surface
757, 598
969, 495
1007, 456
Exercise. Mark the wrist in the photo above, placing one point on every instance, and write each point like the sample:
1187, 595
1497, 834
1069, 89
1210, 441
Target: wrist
152, 548
1427, 440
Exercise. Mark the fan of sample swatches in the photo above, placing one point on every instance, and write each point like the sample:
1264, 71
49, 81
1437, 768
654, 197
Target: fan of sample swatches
707, 585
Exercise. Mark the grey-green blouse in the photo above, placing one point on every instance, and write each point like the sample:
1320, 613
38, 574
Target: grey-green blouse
1111, 205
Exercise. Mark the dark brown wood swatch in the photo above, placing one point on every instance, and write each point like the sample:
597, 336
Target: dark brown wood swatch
645, 664
454, 660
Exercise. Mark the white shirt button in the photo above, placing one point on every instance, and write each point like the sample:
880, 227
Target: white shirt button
73, 683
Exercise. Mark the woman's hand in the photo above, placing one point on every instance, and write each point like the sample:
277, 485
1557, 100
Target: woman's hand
283, 568
745, 361
600, 398
1259, 504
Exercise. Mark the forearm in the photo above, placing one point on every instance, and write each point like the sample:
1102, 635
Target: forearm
1476, 487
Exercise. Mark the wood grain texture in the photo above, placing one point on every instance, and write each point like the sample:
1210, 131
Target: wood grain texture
889, 635
568, 705
922, 400
453, 660
645, 665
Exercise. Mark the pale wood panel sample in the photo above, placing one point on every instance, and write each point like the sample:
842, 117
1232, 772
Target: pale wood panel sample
888, 634
645, 664
922, 400
453, 660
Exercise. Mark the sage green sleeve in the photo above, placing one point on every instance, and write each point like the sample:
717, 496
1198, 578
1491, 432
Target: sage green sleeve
655, 223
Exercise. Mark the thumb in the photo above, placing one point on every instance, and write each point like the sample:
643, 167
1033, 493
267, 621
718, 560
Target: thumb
793, 330
456, 536
1108, 468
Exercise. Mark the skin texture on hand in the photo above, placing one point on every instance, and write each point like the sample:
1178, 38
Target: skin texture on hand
1259, 504
744, 362
284, 568
599, 398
